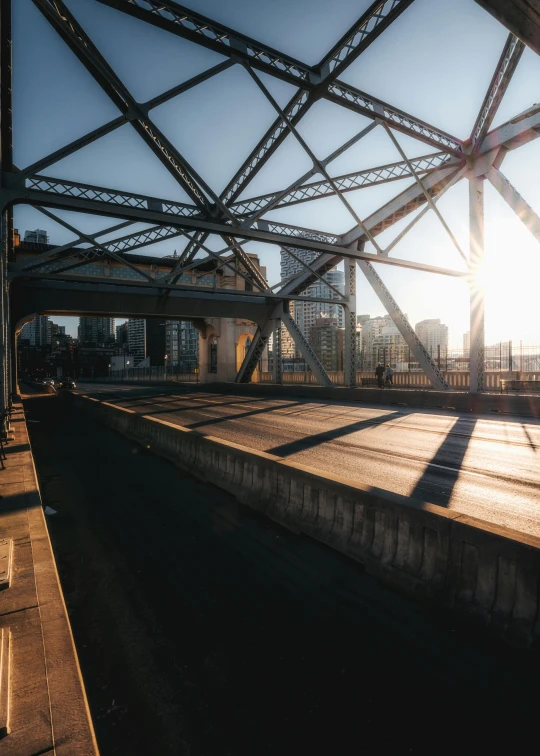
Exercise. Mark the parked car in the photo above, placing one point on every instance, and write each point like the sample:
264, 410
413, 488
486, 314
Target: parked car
49, 381
67, 383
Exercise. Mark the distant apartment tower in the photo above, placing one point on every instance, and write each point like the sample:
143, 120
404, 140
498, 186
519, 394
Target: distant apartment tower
306, 313
146, 339
122, 336
96, 330
434, 335
466, 341
326, 338
182, 345
37, 237
381, 341
37, 331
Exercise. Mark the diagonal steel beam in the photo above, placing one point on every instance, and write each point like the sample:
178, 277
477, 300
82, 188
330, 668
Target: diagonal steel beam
372, 107
502, 77
346, 183
426, 362
523, 128
512, 197
401, 205
111, 126
309, 152
305, 349
373, 22
268, 202
191, 25
78, 41
92, 240
427, 195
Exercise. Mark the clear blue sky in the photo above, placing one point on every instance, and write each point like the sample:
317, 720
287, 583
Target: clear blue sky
435, 61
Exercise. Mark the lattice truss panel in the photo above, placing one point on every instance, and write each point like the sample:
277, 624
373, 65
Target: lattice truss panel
233, 215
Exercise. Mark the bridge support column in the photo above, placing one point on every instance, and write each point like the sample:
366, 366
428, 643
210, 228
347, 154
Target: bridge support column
349, 346
476, 232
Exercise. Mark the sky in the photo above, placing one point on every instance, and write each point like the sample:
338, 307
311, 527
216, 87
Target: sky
435, 61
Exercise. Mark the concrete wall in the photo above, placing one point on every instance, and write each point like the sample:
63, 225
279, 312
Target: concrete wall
472, 566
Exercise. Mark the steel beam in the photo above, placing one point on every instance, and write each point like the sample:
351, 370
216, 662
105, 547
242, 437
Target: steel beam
255, 351
305, 350
294, 111
476, 220
400, 206
78, 41
268, 202
372, 107
305, 192
373, 22
191, 25
524, 211
421, 355
521, 17
523, 128
502, 77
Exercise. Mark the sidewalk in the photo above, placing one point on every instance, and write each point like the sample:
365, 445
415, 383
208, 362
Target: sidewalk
43, 707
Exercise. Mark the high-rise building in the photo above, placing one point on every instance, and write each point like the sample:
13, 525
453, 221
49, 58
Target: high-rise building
326, 338
182, 345
306, 313
37, 237
381, 341
466, 341
37, 331
122, 336
147, 339
434, 336
57, 330
96, 330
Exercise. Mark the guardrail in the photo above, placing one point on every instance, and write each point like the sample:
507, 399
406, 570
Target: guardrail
473, 566
456, 380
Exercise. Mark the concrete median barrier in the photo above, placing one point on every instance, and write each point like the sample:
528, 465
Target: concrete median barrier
470, 565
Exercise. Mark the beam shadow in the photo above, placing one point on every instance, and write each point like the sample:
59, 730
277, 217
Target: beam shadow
242, 415
308, 442
449, 456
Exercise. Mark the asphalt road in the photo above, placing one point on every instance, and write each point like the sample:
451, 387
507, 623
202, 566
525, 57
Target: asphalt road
203, 629
483, 466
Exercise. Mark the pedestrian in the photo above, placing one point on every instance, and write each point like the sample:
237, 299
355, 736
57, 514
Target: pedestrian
379, 372
388, 374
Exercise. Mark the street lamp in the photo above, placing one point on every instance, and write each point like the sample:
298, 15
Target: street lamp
165, 366
109, 369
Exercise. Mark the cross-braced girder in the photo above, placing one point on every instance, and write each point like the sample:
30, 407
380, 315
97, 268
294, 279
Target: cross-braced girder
240, 221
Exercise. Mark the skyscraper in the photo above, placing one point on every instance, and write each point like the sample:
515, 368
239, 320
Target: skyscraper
147, 338
96, 330
434, 335
182, 345
37, 331
38, 236
306, 313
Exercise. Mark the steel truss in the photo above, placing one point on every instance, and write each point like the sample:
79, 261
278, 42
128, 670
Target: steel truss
239, 221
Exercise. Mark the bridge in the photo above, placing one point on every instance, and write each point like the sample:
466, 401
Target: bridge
142, 602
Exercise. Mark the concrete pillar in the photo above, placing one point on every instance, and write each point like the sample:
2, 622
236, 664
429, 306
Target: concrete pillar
349, 344
476, 232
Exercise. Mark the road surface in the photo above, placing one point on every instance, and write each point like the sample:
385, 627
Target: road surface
483, 466
204, 629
